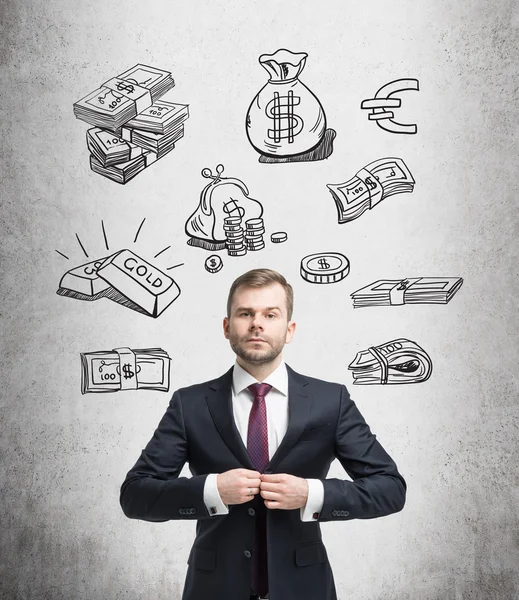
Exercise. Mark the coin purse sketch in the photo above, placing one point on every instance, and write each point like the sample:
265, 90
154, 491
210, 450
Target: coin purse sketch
285, 118
222, 197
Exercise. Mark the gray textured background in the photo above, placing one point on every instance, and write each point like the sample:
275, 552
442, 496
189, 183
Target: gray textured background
454, 437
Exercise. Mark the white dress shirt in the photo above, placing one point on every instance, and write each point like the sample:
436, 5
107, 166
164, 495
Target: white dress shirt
276, 402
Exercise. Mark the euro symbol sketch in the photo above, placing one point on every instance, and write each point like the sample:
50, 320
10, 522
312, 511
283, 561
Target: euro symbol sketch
382, 102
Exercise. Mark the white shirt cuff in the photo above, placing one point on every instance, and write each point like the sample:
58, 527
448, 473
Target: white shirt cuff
212, 499
315, 501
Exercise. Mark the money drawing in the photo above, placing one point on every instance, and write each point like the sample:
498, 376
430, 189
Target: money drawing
412, 290
227, 218
379, 106
133, 127
125, 369
397, 361
369, 186
123, 277
324, 267
286, 122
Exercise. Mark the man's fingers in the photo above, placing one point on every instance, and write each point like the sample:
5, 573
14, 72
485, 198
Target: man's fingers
269, 495
251, 474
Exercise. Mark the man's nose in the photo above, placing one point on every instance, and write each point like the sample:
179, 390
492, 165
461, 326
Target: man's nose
257, 322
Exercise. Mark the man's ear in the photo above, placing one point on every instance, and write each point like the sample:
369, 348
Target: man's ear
226, 327
291, 328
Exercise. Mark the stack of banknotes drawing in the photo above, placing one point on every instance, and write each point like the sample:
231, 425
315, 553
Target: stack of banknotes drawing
125, 369
413, 290
375, 182
397, 361
133, 127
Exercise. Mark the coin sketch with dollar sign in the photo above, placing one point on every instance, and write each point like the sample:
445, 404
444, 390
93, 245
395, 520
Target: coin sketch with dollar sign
324, 267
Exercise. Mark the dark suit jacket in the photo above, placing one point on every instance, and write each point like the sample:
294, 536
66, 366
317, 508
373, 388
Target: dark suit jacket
199, 428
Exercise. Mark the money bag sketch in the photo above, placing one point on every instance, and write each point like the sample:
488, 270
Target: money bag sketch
224, 207
286, 119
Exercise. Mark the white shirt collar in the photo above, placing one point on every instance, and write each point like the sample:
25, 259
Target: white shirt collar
277, 379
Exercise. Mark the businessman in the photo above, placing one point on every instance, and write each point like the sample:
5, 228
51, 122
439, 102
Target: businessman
259, 441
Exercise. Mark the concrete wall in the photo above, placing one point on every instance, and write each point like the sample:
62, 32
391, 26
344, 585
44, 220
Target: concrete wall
64, 455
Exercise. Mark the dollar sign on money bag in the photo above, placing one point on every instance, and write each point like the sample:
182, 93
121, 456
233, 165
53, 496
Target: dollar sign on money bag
127, 370
285, 118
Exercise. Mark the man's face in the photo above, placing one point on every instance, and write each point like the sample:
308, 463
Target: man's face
258, 327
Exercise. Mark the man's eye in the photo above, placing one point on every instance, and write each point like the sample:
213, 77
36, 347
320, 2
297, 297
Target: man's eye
271, 316
245, 313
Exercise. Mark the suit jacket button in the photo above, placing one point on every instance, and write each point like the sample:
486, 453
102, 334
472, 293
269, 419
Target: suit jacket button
247, 554
346, 513
192, 511
334, 513
181, 511
252, 512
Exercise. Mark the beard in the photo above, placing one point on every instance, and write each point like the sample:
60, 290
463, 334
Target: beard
260, 355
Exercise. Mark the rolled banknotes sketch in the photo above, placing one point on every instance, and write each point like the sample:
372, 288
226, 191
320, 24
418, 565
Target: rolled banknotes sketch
412, 290
397, 361
125, 369
372, 184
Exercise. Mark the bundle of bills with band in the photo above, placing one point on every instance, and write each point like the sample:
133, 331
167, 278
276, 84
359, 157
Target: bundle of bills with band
125, 369
412, 290
397, 361
369, 186
132, 127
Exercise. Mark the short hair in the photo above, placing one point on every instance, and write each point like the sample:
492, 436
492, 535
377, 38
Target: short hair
258, 278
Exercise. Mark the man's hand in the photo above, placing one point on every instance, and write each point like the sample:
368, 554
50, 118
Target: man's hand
281, 490
234, 486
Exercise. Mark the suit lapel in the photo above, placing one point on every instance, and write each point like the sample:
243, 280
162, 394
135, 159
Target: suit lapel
298, 412
219, 401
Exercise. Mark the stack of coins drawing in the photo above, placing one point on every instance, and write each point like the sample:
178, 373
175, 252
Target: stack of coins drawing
254, 230
234, 241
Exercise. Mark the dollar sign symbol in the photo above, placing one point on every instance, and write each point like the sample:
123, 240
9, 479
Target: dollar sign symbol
232, 206
127, 370
370, 183
123, 85
286, 124
213, 263
323, 263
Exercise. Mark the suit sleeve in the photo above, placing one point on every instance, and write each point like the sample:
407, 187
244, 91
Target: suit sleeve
153, 490
377, 488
